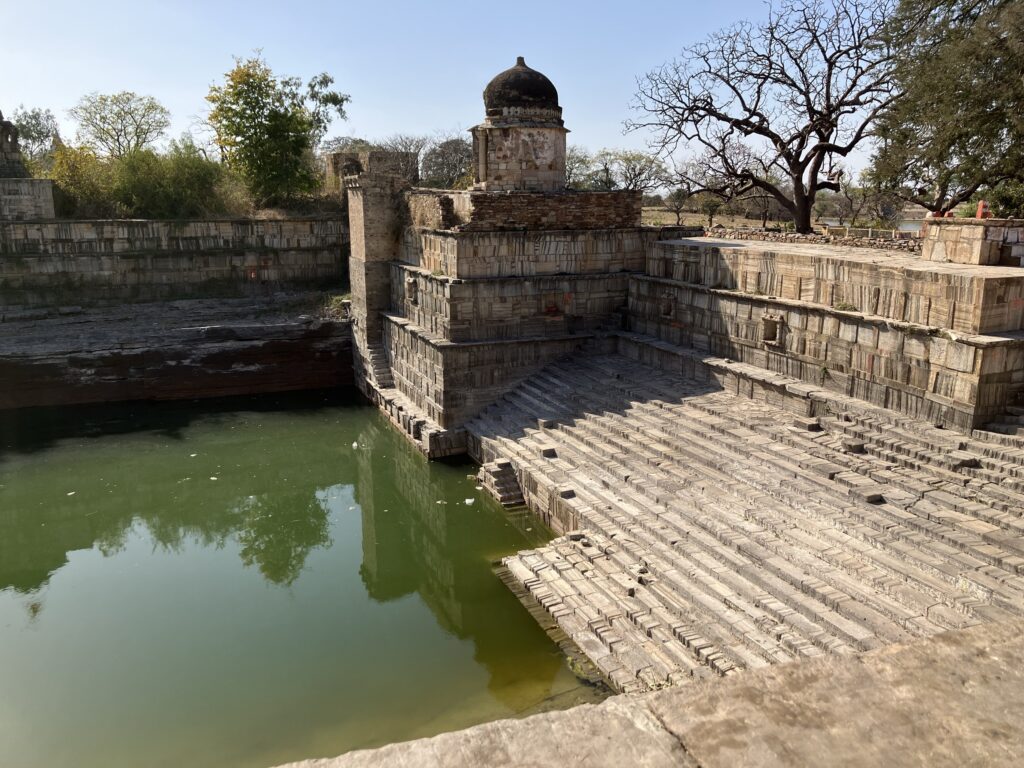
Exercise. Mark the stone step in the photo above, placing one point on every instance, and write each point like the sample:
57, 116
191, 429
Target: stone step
730, 537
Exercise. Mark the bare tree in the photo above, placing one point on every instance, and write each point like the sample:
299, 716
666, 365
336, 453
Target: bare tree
784, 97
119, 124
414, 145
578, 164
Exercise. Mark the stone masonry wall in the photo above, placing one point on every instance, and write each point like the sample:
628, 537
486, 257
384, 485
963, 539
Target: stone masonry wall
47, 263
974, 241
475, 211
23, 199
901, 366
478, 310
450, 383
958, 297
523, 254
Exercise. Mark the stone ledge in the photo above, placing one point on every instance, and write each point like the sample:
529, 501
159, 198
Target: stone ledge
952, 700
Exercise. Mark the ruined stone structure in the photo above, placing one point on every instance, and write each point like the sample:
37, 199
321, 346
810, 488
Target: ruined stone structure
21, 197
758, 451
457, 295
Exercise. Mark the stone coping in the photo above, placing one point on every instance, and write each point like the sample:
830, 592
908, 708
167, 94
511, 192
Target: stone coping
878, 256
955, 699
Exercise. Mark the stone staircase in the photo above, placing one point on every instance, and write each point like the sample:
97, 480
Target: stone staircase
709, 533
498, 478
380, 367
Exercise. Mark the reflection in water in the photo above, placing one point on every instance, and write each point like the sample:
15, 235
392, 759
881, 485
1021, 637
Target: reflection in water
238, 586
411, 543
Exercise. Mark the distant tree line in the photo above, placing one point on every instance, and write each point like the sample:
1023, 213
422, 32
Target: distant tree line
257, 147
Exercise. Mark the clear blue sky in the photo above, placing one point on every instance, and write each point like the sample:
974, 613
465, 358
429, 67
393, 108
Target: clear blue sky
412, 67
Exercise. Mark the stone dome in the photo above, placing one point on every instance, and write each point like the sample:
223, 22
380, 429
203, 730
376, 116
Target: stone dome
520, 88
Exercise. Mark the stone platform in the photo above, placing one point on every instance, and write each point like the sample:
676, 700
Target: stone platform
952, 701
710, 533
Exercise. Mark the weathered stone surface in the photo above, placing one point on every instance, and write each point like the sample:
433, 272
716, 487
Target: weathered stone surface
616, 733
951, 701
973, 241
57, 263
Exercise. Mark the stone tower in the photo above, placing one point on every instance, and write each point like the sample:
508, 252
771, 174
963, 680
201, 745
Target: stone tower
520, 145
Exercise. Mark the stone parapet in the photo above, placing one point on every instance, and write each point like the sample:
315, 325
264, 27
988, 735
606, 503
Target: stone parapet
45, 263
529, 254
974, 241
962, 298
480, 211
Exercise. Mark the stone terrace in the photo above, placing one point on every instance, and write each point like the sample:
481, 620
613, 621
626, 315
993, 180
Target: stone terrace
709, 533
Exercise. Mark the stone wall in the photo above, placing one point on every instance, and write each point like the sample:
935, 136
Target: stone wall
475, 211
974, 241
46, 263
911, 243
944, 378
958, 297
478, 310
528, 254
451, 382
23, 199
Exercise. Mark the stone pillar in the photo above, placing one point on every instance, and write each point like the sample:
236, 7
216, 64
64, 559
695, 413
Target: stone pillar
375, 223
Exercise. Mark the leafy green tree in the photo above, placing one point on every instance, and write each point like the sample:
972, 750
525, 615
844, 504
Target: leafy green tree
1006, 199
709, 204
180, 183
268, 128
959, 123
118, 124
37, 131
82, 182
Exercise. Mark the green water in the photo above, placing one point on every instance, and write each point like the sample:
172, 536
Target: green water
247, 584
